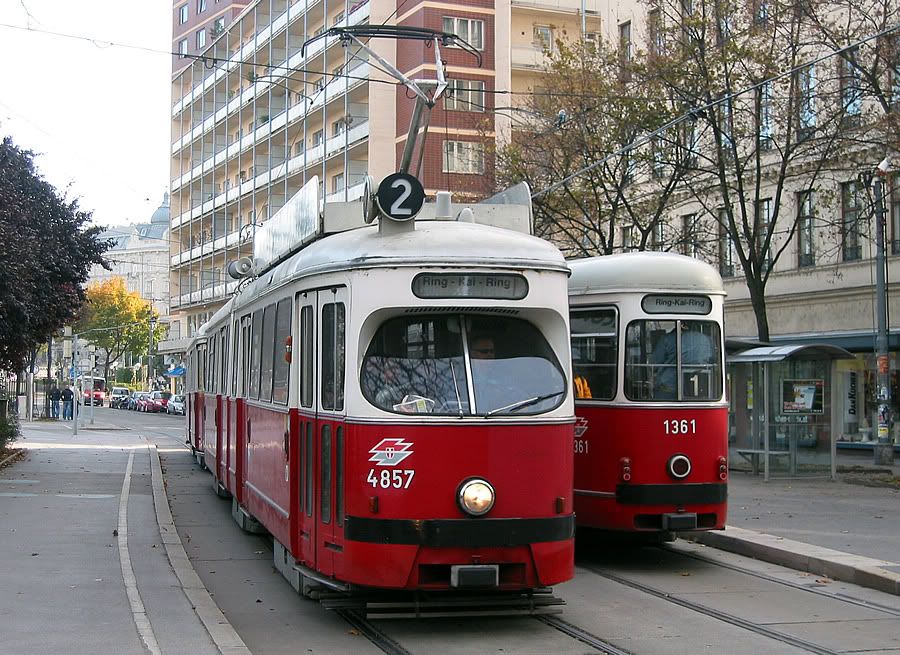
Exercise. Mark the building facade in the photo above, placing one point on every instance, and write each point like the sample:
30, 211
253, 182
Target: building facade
140, 256
259, 115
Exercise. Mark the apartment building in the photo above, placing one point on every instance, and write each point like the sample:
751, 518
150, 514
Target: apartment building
259, 114
196, 23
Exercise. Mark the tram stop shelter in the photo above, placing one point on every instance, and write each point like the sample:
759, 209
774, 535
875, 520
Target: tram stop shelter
783, 409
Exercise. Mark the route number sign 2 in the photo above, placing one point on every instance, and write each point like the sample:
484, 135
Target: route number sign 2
400, 196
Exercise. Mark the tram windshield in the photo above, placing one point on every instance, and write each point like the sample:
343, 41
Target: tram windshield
461, 366
673, 361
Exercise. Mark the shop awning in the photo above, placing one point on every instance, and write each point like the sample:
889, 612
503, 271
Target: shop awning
795, 351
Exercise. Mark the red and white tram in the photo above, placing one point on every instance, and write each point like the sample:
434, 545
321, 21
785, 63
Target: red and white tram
652, 419
393, 404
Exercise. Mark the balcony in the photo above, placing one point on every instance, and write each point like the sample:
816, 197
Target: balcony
358, 14
527, 56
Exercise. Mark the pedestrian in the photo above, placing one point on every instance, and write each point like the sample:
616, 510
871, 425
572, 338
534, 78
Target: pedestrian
67, 398
55, 395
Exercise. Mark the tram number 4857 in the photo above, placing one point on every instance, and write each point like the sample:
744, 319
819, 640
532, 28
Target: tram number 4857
680, 426
396, 479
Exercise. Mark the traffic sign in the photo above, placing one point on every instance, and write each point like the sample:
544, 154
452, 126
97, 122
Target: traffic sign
400, 196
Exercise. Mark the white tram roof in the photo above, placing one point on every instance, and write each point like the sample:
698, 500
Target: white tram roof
431, 243
643, 271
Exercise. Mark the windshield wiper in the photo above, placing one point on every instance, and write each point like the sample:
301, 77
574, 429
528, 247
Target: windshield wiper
520, 404
456, 387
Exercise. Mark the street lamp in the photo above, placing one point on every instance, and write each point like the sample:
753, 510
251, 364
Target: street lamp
881, 338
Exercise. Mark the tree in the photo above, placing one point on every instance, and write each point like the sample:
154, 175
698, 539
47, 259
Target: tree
592, 118
766, 123
116, 320
46, 256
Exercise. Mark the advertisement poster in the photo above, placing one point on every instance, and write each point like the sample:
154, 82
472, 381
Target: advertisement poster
802, 396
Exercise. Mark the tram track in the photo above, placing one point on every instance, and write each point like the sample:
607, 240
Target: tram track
582, 635
851, 600
712, 612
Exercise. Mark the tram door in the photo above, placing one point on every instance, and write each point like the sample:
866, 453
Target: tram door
329, 430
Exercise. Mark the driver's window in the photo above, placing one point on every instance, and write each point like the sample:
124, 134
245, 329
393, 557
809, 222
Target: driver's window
419, 365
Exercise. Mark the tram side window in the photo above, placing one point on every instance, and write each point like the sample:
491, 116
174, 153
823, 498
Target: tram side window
223, 358
306, 356
673, 360
211, 367
268, 350
245, 356
255, 353
594, 349
333, 356
282, 341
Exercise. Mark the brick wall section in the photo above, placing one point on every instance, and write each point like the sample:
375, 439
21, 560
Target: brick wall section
412, 54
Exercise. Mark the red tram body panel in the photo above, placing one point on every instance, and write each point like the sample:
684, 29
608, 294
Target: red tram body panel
651, 440
397, 410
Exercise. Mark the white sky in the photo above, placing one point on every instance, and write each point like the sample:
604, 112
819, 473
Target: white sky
96, 116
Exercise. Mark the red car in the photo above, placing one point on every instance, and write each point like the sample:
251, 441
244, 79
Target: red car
98, 397
157, 401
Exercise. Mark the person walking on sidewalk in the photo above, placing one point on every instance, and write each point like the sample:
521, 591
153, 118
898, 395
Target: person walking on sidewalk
67, 398
55, 395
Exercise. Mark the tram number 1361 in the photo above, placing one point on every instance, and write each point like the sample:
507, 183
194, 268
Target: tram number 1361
390, 479
680, 426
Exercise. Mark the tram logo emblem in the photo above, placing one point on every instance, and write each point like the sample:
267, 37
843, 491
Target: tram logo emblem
390, 452
581, 426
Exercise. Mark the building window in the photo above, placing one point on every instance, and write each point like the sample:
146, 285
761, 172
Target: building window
895, 216
764, 116
218, 26
201, 39
183, 48
625, 45
806, 105
318, 137
658, 236
464, 95
631, 238
470, 31
690, 246
592, 40
337, 183
183, 14
727, 250
542, 37
338, 17
338, 127
463, 157
658, 158
851, 203
655, 32
851, 92
201, 6
724, 24
763, 221
761, 12
805, 226
690, 143
726, 128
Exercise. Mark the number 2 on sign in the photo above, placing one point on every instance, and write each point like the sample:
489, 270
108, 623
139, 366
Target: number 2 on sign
683, 426
391, 479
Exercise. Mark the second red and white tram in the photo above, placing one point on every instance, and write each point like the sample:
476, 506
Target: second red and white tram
651, 441
394, 407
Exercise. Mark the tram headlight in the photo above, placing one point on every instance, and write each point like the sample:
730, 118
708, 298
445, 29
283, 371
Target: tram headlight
476, 497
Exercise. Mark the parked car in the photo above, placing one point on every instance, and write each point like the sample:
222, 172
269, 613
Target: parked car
157, 401
176, 405
135, 399
118, 398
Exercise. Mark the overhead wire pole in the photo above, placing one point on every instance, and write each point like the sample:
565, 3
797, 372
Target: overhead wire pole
881, 337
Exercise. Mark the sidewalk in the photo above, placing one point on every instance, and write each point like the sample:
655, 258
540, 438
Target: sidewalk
91, 561
846, 531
